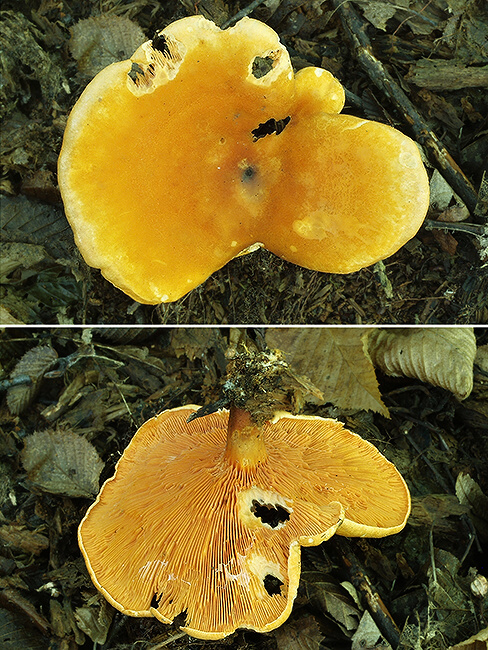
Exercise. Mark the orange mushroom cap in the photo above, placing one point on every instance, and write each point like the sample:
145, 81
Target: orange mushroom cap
208, 517
185, 156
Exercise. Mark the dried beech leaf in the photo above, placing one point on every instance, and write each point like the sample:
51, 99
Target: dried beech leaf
15, 634
95, 621
334, 360
125, 335
194, 342
379, 13
478, 641
98, 41
329, 597
470, 494
441, 356
34, 364
18, 537
481, 359
368, 635
300, 634
432, 510
62, 462
15, 255
31, 222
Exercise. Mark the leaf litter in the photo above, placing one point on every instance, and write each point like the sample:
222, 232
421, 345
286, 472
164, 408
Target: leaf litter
430, 48
431, 579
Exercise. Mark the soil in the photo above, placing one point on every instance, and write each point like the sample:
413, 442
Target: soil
440, 276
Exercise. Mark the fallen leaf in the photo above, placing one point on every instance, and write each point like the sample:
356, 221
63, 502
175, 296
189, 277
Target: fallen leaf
98, 41
431, 510
379, 13
194, 342
446, 241
478, 641
62, 462
20, 538
329, 597
16, 255
454, 214
335, 361
299, 634
368, 636
442, 356
15, 634
481, 359
95, 621
33, 365
470, 494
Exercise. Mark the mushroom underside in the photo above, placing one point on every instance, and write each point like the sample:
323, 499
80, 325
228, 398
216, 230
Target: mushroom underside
180, 529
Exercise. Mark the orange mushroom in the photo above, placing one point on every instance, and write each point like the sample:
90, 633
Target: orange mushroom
207, 517
205, 145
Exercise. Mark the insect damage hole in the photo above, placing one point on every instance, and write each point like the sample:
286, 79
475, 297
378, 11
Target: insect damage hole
273, 515
261, 65
160, 43
272, 584
155, 600
270, 127
135, 72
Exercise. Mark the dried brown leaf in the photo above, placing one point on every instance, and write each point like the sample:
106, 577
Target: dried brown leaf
478, 641
19, 537
95, 621
335, 361
481, 359
368, 636
195, 342
300, 634
432, 509
471, 495
62, 462
15, 634
332, 598
379, 13
34, 364
440, 356
98, 41
15, 255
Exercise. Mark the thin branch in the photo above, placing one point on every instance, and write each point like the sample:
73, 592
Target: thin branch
377, 608
479, 230
242, 13
355, 27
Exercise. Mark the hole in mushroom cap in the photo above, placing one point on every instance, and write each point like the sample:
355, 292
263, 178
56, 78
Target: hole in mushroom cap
155, 600
269, 127
261, 65
180, 620
134, 72
269, 513
272, 584
157, 62
160, 43
263, 508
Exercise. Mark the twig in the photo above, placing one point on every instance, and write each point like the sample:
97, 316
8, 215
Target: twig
241, 14
380, 614
479, 230
5, 384
355, 28
432, 555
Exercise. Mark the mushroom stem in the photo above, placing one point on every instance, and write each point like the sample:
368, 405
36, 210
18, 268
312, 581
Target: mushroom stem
245, 440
